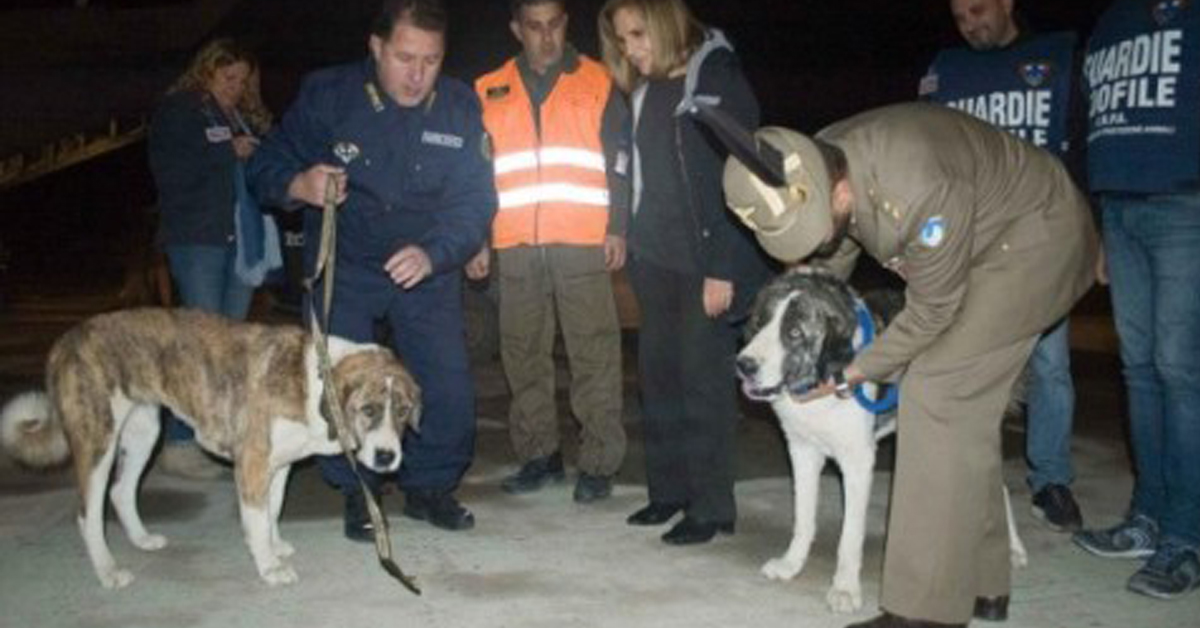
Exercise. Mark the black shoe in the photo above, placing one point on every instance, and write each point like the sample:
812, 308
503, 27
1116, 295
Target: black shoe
991, 608
356, 519
691, 531
654, 514
534, 474
590, 488
1055, 505
888, 620
439, 508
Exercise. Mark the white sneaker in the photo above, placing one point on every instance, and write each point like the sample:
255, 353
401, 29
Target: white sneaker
187, 460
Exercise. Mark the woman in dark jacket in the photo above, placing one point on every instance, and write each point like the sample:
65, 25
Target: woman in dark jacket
205, 125
694, 269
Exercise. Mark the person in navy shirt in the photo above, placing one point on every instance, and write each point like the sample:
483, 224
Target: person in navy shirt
1024, 83
405, 151
1142, 72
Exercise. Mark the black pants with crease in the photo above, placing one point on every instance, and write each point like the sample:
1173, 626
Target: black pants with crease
688, 393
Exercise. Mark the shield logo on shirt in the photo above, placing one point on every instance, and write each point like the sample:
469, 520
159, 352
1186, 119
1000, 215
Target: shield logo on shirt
1036, 73
346, 152
1167, 10
933, 232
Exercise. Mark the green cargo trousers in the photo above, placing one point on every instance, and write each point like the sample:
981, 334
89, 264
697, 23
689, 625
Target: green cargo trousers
539, 285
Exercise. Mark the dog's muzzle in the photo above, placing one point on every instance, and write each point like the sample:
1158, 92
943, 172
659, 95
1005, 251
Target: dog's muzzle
747, 370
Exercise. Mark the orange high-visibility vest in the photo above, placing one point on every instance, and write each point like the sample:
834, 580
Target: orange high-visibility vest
552, 189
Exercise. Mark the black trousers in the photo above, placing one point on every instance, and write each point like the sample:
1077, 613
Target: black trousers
689, 397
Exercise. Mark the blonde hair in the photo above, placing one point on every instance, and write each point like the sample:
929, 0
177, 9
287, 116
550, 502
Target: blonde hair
673, 31
220, 53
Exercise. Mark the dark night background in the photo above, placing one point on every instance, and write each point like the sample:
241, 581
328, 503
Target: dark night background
61, 73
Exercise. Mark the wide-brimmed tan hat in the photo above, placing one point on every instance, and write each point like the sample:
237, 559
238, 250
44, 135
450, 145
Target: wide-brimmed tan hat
791, 221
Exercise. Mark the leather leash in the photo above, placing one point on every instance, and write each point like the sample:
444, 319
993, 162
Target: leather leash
326, 262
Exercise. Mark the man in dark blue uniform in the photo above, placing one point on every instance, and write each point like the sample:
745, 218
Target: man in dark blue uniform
404, 149
1024, 83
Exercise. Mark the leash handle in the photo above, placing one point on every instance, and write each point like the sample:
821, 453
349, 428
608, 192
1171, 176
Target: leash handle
326, 264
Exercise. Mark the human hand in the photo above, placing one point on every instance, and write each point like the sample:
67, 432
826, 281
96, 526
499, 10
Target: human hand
309, 186
718, 296
244, 145
614, 252
409, 266
479, 266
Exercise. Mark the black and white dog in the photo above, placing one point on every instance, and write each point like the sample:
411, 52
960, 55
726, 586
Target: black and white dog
806, 327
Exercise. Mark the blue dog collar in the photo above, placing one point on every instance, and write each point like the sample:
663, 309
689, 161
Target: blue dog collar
891, 394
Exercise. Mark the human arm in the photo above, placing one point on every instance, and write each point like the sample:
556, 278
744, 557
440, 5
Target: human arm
616, 137
290, 166
937, 247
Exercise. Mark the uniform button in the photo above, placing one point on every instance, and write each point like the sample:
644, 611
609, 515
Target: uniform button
704, 233
1004, 247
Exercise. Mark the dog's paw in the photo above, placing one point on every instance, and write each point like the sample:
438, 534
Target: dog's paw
149, 542
844, 599
781, 568
115, 579
280, 574
282, 548
1019, 557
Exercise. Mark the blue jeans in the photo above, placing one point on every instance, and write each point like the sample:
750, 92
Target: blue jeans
1153, 249
1051, 410
205, 279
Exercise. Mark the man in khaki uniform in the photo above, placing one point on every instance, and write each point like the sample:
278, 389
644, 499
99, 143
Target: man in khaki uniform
995, 244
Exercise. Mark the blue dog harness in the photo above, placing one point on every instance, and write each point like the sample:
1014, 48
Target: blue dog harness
891, 393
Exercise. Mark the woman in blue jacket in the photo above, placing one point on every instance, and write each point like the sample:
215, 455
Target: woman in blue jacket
205, 126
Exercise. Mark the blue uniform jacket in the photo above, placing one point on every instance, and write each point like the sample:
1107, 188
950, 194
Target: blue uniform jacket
416, 175
193, 162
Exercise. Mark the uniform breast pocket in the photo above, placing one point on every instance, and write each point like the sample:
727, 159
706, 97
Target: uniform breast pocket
429, 173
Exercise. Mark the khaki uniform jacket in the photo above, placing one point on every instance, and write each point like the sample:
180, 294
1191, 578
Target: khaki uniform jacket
992, 237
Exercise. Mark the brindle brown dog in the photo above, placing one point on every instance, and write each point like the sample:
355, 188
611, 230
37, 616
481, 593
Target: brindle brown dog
251, 392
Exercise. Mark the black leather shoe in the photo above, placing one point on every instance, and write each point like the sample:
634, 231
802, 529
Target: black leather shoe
888, 620
534, 474
991, 608
691, 531
356, 519
590, 488
654, 514
438, 508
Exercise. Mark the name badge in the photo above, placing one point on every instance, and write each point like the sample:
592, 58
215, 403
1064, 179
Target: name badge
441, 139
218, 134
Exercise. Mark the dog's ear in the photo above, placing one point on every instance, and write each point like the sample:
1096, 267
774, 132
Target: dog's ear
414, 416
406, 401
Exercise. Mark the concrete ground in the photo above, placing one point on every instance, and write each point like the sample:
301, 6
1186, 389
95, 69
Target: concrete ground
536, 560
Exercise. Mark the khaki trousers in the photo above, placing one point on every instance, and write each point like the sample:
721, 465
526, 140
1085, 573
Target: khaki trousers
947, 531
537, 286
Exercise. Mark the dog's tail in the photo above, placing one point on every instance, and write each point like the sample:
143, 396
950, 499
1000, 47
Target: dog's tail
31, 432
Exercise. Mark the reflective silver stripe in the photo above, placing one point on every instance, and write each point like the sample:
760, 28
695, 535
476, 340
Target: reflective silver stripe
553, 192
549, 156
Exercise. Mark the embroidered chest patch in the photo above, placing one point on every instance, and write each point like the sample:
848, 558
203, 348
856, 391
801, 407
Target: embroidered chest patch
933, 232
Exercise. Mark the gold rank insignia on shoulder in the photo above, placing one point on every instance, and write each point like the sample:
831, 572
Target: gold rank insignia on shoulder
499, 91
373, 96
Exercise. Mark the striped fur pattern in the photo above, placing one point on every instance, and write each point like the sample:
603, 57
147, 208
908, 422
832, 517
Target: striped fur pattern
251, 393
